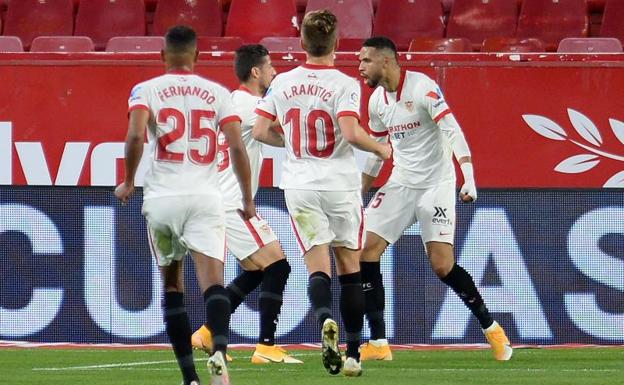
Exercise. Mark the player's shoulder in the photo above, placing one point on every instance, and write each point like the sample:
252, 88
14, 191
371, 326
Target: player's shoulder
418, 80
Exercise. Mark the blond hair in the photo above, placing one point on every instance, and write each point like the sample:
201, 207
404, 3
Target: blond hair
318, 31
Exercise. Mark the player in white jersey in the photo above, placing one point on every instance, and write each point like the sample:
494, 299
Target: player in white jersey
183, 113
318, 108
409, 108
251, 241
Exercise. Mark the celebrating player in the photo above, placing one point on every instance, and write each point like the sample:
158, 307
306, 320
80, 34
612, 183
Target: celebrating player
410, 109
318, 108
182, 201
252, 241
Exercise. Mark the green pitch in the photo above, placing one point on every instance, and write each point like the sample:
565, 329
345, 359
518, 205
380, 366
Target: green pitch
599, 366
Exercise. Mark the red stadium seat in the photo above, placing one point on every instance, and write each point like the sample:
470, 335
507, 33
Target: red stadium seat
28, 19
553, 20
11, 44
103, 19
282, 44
355, 19
62, 44
612, 20
254, 19
479, 19
350, 45
590, 44
135, 44
213, 43
403, 20
427, 44
204, 16
512, 44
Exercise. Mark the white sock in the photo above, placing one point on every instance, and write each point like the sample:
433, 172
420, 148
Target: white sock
493, 326
379, 343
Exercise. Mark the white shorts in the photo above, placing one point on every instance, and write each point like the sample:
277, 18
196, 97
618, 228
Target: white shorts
394, 208
245, 237
177, 224
319, 217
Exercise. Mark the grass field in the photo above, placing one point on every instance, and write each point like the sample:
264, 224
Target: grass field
587, 366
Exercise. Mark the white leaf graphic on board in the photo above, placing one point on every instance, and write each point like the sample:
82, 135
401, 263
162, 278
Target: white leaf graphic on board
585, 127
545, 127
577, 164
618, 129
616, 180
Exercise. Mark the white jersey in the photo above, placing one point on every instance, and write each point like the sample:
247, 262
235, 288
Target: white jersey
244, 104
185, 113
409, 116
308, 101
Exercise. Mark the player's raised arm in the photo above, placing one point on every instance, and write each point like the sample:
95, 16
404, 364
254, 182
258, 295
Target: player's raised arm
373, 164
133, 151
357, 137
441, 114
240, 163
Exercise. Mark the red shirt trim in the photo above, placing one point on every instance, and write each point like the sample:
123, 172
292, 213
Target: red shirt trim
348, 113
180, 72
232, 118
243, 88
265, 114
441, 115
400, 87
317, 66
138, 107
378, 134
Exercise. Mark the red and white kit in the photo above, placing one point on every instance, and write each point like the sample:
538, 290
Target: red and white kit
243, 237
422, 131
308, 101
182, 200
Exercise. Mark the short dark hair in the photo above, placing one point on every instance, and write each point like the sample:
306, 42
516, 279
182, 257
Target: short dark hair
248, 57
180, 38
318, 31
380, 42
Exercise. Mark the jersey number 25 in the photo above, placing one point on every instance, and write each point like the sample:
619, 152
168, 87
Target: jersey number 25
201, 136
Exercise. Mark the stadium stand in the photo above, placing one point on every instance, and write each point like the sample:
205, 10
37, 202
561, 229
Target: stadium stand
104, 19
254, 19
402, 20
613, 20
350, 45
553, 20
449, 44
205, 17
62, 44
477, 20
28, 19
214, 43
284, 44
512, 44
590, 45
355, 20
11, 44
135, 44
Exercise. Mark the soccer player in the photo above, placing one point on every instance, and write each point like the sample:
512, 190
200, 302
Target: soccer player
410, 109
318, 108
252, 241
182, 202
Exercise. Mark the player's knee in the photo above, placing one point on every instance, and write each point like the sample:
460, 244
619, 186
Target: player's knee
441, 269
279, 270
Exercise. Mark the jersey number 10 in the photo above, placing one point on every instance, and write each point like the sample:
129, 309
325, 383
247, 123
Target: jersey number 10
310, 134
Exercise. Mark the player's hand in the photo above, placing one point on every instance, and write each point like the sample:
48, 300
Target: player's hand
123, 192
385, 152
249, 209
468, 192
